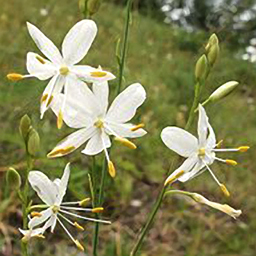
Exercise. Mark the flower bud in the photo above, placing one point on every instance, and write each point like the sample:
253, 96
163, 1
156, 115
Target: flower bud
33, 142
201, 68
213, 40
13, 179
213, 54
223, 91
83, 6
93, 6
25, 126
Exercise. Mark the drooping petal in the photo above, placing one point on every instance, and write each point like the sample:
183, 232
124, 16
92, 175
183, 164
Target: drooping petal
124, 130
78, 41
101, 92
45, 215
43, 186
211, 140
45, 45
63, 185
126, 103
179, 140
202, 127
31, 233
36, 68
97, 143
72, 142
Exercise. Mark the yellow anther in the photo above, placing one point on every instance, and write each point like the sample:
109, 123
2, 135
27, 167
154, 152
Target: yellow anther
40, 236
174, 178
44, 97
231, 162
60, 120
35, 214
64, 70
15, 77
84, 202
219, 144
78, 226
97, 209
126, 142
55, 208
61, 151
111, 169
40, 59
99, 123
201, 152
98, 73
224, 190
243, 148
79, 246
137, 127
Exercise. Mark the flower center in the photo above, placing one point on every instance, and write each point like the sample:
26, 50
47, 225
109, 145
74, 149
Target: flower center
55, 209
201, 152
99, 123
64, 70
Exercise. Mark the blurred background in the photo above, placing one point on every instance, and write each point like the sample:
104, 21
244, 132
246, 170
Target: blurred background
167, 37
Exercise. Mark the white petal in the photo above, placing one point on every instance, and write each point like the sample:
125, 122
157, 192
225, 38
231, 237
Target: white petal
202, 128
44, 187
75, 140
78, 41
211, 140
124, 130
101, 92
53, 88
39, 220
38, 69
179, 140
95, 145
126, 103
45, 45
63, 185
51, 222
30, 233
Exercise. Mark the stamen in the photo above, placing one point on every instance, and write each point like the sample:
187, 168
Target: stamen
84, 202
66, 230
78, 226
15, 77
224, 190
219, 144
40, 59
40, 236
137, 127
243, 148
231, 162
174, 178
76, 208
111, 169
60, 120
97, 209
79, 246
98, 74
61, 151
35, 214
126, 142
211, 172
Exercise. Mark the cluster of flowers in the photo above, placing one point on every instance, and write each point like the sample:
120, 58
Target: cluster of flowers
87, 109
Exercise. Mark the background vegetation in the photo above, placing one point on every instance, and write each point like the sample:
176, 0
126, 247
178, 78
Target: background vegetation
162, 59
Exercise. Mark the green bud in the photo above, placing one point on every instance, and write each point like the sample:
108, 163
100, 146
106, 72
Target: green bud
83, 6
13, 179
93, 6
223, 91
213, 54
25, 125
201, 68
213, 40
33, 142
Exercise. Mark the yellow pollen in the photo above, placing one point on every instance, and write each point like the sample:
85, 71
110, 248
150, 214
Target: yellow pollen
99, 123
111, 169
126, 142
243, 148
61, 151
97, 209
55, 208
40, 236
60, 120
219, 144
78, 226
224, 190
231, 162
201, 152
35, 214
40, 59
137, 127
44, 97
98, 74
84, 202
15, 77
175, 177
79, 246
64, 70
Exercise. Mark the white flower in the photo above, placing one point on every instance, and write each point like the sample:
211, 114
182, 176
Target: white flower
28, 234
89, 113
59, 67
200, 153
52, 193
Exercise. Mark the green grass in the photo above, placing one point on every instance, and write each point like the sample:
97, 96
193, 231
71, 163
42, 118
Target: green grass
162, 59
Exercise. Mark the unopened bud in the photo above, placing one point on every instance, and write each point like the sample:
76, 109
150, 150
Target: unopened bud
25, 125
83, 6
13, 179
33, 142
223, 91
213, 40
201, 68
93, 6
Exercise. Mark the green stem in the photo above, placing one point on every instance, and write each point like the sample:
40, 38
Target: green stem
124, 45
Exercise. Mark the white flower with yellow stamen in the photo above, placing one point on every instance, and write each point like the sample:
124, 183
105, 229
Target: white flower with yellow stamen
200, 153
61, 68
52, 193
89, 112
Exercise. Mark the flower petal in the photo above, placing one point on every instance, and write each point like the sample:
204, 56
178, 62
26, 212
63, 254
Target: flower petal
45, 45
179, 140
202, 128
45, 215
72, 142
63, 185
43, 186
50, 223
30, 233
78, 41
97, 143
42, 71
101, 92
211, 140
126, 103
